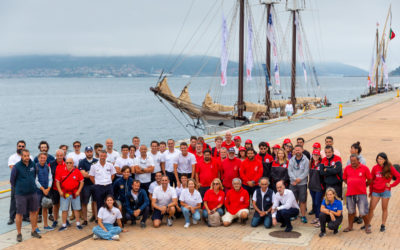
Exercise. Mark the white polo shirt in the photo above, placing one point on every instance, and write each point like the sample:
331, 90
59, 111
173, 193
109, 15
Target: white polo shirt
286, 201
185, 163
76, 157
157, 159
121, 162
164, 198
102, 174
15, 158
112, 157
170, 159
190, 199
109, 217
143, 163
153, 185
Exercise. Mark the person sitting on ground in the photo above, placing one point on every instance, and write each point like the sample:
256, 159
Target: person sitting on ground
236, 204
298, 173
69, 183
107, 216
331, 212
382, 174
122, 187
163, 202
315, 184
262, 202
357, 177
214, 199
191, 201
279, 170
284, 207
251, 170
137, 204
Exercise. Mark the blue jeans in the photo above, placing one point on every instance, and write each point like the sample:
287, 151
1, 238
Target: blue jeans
219, 210
186, 213
257, 220
97, 230
316, 202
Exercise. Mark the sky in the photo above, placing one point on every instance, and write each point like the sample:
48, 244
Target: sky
338, 31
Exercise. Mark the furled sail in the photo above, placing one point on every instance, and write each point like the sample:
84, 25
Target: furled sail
208, 103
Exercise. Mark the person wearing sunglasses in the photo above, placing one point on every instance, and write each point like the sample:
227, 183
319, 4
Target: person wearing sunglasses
214, 199
77, 155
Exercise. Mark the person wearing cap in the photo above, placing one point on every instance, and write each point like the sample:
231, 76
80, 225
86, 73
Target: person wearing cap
317, 146
315, 185
87, 191
298, 174
300, 141
228, 143
251, 171
206, 171
242, 154
248, 144
279, 169
265, 157
236, 204
288, 147
230, 169
238, 142
275, 149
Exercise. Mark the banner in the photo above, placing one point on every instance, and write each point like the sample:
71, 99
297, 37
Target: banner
249, 60
300, 47
224, 54
272, 40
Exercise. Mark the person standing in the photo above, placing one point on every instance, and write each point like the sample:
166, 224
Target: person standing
44, 147
230, 169
77, 155
54, 194
279, 169
263, 199
185, 163
265, 157
331, 212
289, 110
112, 155
315, 184
163, 202
23, 182
97, 148
284, 207
102, 174
331, 170
329, 142
238, 142
69, 182
251, 171
217, 149
137, 204
158, 159
43, 181
132, 152
136, 143
170, 155
300, 141
228, 143
382, 174
192, 145
163, 147
298, 174
143, 167
357, 178
122, 161
87, 191
206, 172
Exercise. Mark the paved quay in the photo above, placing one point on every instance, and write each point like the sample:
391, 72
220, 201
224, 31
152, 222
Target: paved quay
376, 127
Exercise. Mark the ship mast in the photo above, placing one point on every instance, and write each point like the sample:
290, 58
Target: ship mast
377, 59
241, 59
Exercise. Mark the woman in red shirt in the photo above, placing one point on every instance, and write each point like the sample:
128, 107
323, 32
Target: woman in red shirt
380, 187
214, 199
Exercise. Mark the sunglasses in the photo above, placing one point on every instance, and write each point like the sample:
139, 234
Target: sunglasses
216, 183
21, 146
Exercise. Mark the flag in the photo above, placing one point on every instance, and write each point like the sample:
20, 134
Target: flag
249, 60
385, 72
266, 75
272, 41
300, 48
224, 54
391, 34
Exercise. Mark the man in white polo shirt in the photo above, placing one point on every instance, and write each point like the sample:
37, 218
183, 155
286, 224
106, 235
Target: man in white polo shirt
155, 184
144, 166
184, 163
284, 207
102, 174
123, 160
158, 159
163, 201
112, 155
169, 157
77, 155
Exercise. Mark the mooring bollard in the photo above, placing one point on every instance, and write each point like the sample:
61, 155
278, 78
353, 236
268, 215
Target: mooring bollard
340, 111
398, 92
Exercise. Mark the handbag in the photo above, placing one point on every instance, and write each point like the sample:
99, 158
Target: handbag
214, 220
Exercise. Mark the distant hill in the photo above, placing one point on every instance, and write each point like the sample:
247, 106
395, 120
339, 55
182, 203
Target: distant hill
131, 66
395, 72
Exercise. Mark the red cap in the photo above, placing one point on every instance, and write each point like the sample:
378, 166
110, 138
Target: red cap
316, 152
267, 144
249, 141
242, 149
287, 140
237, 138
276, 146
316, 145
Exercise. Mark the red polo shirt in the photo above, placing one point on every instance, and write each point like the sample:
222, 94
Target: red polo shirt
199, 158
251, 171
207, 172
356, 179
192, 150
71, 184
227, 146
230, 171
213, 199
235, 201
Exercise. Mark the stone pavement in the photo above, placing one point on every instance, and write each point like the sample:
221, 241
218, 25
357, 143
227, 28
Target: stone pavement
376, 127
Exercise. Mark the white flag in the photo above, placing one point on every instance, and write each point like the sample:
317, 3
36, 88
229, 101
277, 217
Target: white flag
224, 54
249, 61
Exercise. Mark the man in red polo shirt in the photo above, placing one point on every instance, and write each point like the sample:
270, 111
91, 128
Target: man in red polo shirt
69, 181
199, 152
228, 143
236, 203
206, 172
230, 169
358, 177
251, 171
192, 145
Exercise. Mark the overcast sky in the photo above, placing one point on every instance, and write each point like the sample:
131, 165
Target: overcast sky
337, 30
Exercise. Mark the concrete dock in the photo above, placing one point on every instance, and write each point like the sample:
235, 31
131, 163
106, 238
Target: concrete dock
374, 121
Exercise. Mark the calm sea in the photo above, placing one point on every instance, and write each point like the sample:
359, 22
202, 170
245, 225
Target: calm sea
92, 110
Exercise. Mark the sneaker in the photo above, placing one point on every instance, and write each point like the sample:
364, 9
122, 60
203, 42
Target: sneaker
19, 237
195, 222
359, 220
335, 231
293, 218
48, 228
54, 224
187, 225
115, 237
303, 219
142, 224
68, 224
383, 228
95, 237
10, 222
51, 217
92, 219
288, 229
169, 222
39, 219
84, 223
322, 234
62, 228
37, 230
79, 227
35, 234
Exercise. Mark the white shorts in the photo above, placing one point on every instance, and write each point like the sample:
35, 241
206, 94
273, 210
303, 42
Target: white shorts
230, 217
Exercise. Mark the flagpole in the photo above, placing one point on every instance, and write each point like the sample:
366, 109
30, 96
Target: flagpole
241, 59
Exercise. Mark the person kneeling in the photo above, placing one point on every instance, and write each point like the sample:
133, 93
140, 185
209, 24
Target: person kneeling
190, 203
284, 207
236, 203
136, 204
107, 215
331, 212
262, 203
163, 201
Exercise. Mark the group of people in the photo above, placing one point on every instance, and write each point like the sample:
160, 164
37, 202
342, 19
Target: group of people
219, 184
